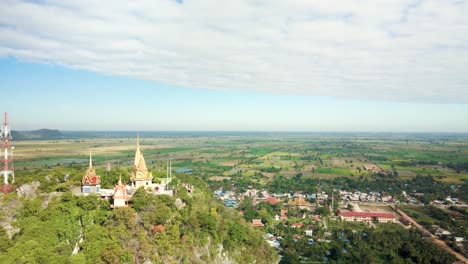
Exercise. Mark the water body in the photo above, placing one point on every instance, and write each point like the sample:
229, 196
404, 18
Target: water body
158, 134
184, 170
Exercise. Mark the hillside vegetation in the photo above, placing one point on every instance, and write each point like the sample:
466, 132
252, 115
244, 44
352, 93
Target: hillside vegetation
37, 134
52, 223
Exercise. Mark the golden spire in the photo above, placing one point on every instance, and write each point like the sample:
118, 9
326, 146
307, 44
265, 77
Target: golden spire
90, 176
139, 165
90, 160
120, 180
138, 152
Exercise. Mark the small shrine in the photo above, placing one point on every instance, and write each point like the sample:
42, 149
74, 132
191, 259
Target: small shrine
91, 182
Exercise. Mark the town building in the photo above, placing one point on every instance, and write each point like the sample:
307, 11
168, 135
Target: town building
301, 203
283, 214
367, 217
91, 182
297, 225
271, 200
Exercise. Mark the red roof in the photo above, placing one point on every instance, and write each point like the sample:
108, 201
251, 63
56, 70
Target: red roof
271, 200
455, 213
297, 225
92, 180
367, 214
257, 222
158, 228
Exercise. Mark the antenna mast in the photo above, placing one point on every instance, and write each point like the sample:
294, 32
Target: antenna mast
6, 153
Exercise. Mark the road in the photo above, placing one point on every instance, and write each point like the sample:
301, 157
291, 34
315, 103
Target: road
436, 239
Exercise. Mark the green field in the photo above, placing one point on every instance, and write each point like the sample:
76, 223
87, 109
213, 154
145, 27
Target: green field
265, 155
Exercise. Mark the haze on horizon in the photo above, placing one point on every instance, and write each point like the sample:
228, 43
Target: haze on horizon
376, 66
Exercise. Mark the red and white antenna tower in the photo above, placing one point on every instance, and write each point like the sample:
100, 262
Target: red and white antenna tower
6, 156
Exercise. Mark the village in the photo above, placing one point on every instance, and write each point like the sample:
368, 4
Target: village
306, 213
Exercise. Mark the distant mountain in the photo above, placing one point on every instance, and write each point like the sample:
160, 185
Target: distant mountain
37, 134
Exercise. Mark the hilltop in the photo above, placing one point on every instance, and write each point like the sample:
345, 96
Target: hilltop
50, 224
37, 134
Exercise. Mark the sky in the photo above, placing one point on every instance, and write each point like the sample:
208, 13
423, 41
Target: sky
243, 65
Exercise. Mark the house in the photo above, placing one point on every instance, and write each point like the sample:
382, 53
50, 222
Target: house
456, 214
459, 239
283, 214
272, 200
297, 225
301, 203
323, 196
158, 228
440, 231
367, 217
257, 223
251, 193
309, 232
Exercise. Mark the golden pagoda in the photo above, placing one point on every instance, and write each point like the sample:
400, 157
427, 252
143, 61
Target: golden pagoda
140, 174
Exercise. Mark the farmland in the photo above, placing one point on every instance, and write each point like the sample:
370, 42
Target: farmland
261, 156
428, 167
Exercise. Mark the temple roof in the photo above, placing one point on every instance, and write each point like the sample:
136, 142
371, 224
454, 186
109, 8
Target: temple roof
119, 189
140, 171
90, 178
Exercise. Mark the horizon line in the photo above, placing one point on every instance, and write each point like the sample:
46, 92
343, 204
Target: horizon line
250, 131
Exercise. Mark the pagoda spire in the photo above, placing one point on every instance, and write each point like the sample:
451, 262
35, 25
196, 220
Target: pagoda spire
90, 160
167, 168
138, 140
120, 180
138, 152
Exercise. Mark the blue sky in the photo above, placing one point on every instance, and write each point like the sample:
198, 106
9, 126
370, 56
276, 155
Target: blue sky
299, 65
53, 96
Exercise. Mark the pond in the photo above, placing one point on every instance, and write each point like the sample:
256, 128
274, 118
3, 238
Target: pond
184, 170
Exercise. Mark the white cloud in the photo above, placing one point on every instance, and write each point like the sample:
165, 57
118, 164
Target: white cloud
388, 49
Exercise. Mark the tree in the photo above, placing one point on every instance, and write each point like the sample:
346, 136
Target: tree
5, 241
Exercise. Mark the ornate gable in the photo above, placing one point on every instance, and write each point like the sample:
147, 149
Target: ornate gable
91, 178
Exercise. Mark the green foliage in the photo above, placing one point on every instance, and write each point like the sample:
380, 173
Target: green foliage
387, 243
5, 241
49, 231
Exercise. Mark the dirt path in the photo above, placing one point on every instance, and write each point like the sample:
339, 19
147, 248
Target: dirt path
436, 240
